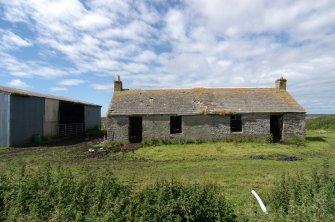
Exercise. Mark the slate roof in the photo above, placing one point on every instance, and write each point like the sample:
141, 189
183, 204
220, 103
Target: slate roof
21, 92
195, 101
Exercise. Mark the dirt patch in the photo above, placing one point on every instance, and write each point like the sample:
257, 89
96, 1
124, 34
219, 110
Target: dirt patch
100, 152
288, 158
278, 158
258, 157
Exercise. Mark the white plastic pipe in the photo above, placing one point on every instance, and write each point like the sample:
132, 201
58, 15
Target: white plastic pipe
260, 202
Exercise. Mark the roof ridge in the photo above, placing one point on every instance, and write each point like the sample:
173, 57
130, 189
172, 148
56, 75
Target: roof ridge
24, 92
199, 88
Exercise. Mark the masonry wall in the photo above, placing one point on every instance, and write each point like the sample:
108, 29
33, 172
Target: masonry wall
117, 128
293, 125
199, 127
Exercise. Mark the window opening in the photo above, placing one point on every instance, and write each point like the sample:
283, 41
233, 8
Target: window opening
235, 123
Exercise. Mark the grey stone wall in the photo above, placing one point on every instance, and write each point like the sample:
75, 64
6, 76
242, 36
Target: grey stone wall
256, 125
293, 125
117, 128
200, 127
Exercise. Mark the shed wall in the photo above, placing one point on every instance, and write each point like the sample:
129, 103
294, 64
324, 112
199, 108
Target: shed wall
4, 119
26, 118
92, 117
50, 123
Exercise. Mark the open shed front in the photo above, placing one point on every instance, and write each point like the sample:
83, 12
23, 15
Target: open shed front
64, 118
71, 118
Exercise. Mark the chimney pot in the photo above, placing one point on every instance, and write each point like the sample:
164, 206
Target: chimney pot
118, 84
281, 83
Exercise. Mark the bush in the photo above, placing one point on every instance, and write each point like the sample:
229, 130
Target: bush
172, 201
58, 195
302, 198
325, 122
168, 141
269, 138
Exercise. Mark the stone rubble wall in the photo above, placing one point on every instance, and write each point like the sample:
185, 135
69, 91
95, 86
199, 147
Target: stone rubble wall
293, 126
206, 127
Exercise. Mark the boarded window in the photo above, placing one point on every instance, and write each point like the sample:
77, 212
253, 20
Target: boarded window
235, 123
175, 124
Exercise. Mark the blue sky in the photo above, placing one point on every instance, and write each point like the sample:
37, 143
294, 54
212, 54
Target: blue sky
76, 48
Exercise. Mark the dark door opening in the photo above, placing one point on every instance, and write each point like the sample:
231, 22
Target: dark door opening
71, 119
135, 129
276, 127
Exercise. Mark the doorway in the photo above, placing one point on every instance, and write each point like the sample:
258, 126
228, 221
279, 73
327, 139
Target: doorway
276, 127
135, 129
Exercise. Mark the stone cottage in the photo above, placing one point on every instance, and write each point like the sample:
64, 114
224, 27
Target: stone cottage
204, 113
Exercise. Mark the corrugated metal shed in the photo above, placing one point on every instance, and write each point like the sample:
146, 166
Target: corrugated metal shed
92, 117
26, 118
4, 119
24, 113
197, 101
41, 95
50, 123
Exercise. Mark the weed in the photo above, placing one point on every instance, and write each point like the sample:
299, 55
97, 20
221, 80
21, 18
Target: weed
57, 195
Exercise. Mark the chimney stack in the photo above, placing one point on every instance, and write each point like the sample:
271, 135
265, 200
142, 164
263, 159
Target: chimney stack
281, 83
117, 84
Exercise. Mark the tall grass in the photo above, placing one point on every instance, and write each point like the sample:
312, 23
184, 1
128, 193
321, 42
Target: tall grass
324, 122
302, 198
58, 195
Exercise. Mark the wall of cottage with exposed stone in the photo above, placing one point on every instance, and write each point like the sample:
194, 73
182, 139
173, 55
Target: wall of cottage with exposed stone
206, 127
293, 126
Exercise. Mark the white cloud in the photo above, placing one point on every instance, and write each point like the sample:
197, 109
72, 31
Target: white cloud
57, 89
29, 69
9, 40
191, 43
175, 24
71, 82
18, 83
108, 87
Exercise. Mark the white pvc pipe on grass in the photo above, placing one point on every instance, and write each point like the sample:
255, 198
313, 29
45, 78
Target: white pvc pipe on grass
260, 202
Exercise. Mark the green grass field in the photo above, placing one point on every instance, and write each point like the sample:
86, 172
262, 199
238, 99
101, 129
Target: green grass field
228, 164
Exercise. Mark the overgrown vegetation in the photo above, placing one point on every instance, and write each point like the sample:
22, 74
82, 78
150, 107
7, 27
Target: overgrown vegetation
181, 141
58, 195
324, 122
169, 141
235, 167
49, 194
302, 198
